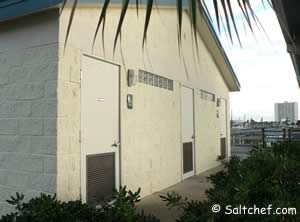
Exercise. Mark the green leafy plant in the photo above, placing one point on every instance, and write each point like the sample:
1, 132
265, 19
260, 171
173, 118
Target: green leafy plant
270, 176
48, 208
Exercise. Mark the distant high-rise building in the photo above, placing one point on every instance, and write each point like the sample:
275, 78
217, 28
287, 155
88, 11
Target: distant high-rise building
286, 111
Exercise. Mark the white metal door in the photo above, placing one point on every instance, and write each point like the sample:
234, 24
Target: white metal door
223, 126
99, 114
187, 131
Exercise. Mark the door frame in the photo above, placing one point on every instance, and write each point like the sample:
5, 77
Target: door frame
118, 163
193, 172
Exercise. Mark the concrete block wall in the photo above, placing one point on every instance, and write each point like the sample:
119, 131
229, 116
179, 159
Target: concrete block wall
28, 110
150, 132
68, 124
151, 138
162, 54
207, 134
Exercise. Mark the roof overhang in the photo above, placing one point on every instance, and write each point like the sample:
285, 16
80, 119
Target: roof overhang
10, 9
289, 18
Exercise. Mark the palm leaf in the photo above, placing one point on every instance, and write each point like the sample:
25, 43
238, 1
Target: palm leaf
193, 9
205, 9
224, 27
233, 21
103, 36
147, 20
101, 19
247, 5
63, 6
262, 27
179, 14
225, 5
75, 2
137, 7
122, 17
227, 19
216, 7
246, 16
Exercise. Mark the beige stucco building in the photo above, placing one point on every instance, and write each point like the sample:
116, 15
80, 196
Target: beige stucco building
70, 123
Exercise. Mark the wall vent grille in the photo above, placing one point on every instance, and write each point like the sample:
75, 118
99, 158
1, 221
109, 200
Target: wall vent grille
188, 157
223, 147
155, 80
207, 96
101, 177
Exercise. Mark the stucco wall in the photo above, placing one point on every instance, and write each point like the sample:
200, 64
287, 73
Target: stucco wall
207, 134
68, 124
150, 151
28, 110
161, 53
151, 131
40, 102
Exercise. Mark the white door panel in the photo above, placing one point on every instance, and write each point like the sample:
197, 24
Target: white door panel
187, 124
223, 127
99, 113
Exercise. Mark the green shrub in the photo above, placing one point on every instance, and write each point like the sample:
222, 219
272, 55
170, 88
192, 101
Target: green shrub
268, 176
48, 208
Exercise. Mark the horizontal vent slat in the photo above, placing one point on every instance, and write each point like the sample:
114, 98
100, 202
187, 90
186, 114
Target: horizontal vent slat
100, 177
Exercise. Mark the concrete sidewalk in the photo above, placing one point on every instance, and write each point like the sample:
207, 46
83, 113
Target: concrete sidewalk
193, 188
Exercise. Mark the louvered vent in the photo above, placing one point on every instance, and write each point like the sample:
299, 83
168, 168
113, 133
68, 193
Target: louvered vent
223, 147
187, 157
100, 177
155, 80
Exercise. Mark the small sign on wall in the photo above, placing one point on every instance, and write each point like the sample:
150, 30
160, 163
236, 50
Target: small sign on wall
130, 101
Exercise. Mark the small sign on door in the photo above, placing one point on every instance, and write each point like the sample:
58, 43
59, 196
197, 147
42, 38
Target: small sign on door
99, 99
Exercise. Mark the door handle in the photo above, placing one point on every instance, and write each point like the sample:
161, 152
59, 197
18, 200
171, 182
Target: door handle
193, 137
116, 144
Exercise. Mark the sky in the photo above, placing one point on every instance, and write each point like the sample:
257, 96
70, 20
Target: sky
263, 67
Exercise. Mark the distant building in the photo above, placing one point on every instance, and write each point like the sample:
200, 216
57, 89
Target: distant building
286, 112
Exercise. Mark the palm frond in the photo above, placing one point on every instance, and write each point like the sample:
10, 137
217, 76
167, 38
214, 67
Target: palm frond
223, 9
137, 7
216, 7
233, 21
122, 17
75, 2
63, 6
179, 15
245, 14
101, 19
147, 20
193, 9
203, 4
227, 19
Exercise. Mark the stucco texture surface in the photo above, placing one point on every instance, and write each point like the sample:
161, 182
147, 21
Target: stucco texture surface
151, 133
40, 101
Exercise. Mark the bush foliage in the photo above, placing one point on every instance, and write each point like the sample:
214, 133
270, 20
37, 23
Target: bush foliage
48, 208
268, 176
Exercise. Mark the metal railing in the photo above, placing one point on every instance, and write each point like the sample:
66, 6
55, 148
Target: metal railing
263, 136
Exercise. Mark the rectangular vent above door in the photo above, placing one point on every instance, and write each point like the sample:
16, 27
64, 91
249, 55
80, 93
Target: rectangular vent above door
101, 177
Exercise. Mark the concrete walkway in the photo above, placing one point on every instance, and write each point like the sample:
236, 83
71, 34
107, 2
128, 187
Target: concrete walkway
193, 188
